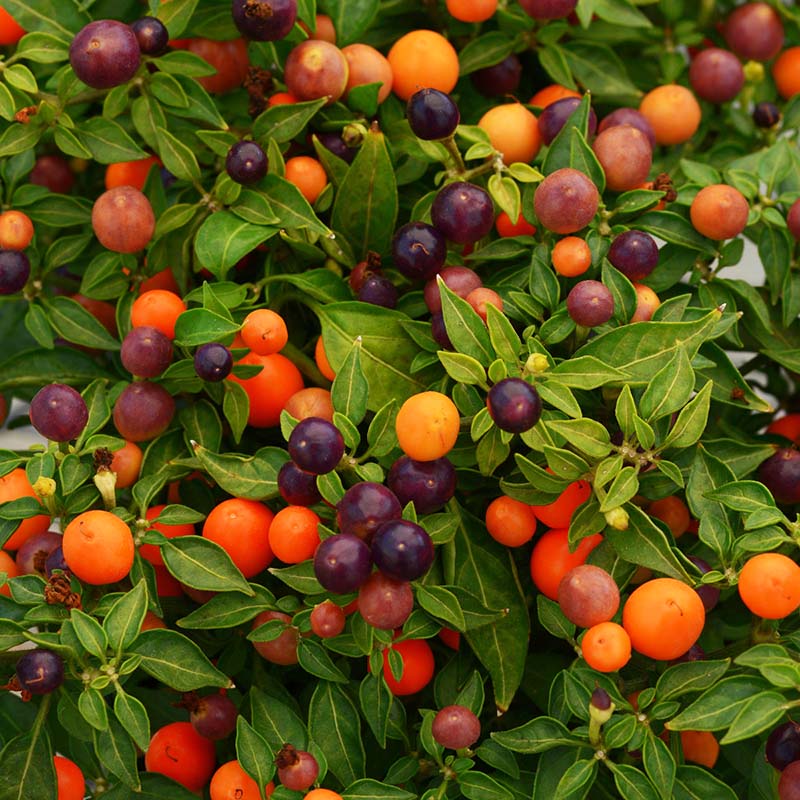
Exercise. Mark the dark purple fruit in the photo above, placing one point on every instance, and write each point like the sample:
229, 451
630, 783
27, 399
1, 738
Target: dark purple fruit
365, 507
783, 745
632, 117
33, 552
316, 445
766, 114
634, 254
427, 484
402, 550
143, 411
152, 35
514, 405
105, 53
213, 362
432, 114
789, 783
590, 303
15, 270
419, 251
716, 75
342, 563
708, 594
548, 9
780, 473
463, 212
456, 727
337, 145
146, 352
378, 290
59, 413
297, 769
554, 117
499, 79
246, 162
214, 716
439, 331
298, 487
40, 671
264, 20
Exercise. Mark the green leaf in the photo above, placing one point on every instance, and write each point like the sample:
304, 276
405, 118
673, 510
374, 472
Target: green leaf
229, 609
376, 704
537, 736
292, 209
632, 783
553, 619
673, 228
485, 569
177, 157
26, 767
706, 474
757, 714
624, 488
464, 327
349, 392
586, 435
253, 753
484, 51
480, 786
645, 544
462, 368
601, 71
250, 477
586, 372
90, 633
222, 240
671, 388
132, 715
236, 407
697, 783
275, 721
117, 753
642, 349
554, 63
370, 789
283, 122
18, 138
202, 564
719, 705
75, 324
176, 661
334, 725
176, 15
351, 18
314, 659
691, 422
108, 142
124, 619
621, 12
93, 708
441, 603
659, 764
43, 48
694, 676
577, 780
368, 225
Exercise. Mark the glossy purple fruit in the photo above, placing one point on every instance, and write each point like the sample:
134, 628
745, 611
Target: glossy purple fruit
342, 563
213, 362
500, 79
783, 745
716, 75
336, 144
15, 269
461, 280
298, 487
432, 114
439, 331
297, 769
634, 254
264, 20
780, 473
143, 411
793, 219
146, 352
789, 783
378, 290
554, 117
754, 31
632, 117
402, 550
456, 727
419, 250
40, 671
590, 303
152, 35
214, 717
463, 212
766, 114
33, 552
384, 602
514, 405
427, 484
105, 53
246, 162
327, 619
59, 413
55, 561
316, 445
364, 507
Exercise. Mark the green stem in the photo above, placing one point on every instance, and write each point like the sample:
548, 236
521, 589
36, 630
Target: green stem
454, 153
305, 364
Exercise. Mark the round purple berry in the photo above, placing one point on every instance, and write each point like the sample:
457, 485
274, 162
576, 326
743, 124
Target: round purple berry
105, 53
634, 254
213, 362
364, 507
402, 550
590, 303
15, 269
146, 352
58, 412
378, 290
152, 35
316, 445
246, 162
264, 20
463, 212
432, 114
40, 671
427, 484
419, 251
554, 117
298, 487
342, 563
514, 405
